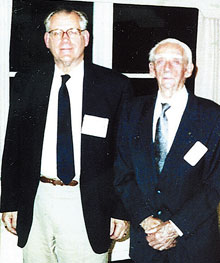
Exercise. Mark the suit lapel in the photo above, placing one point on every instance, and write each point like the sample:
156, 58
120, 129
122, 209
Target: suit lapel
187, 134
144, 154
38, 103
42, 83
90, 99
87, 77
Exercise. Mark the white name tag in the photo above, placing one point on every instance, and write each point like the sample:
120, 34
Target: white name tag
95, 126
195, 153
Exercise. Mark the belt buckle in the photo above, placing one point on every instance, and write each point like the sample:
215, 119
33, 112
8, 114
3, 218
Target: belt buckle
56, 182
52, 181
61, 183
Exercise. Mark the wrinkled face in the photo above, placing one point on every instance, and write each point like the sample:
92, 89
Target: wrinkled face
68, 51
170, 68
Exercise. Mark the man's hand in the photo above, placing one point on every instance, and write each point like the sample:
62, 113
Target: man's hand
118, 228
10, 221
162, 237
150, 223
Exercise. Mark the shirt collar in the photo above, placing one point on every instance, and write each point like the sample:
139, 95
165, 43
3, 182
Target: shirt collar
180, 97
74, 72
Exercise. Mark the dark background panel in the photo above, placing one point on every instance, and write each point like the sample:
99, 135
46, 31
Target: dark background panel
27, 47
144, 86
137, 28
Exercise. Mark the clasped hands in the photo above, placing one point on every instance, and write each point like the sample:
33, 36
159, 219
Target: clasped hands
160, 235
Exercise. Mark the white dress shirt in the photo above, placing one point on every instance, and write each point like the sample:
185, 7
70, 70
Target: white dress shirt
174, 115
75, 89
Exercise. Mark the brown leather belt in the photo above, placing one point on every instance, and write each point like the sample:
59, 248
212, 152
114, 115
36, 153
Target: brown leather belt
57, 182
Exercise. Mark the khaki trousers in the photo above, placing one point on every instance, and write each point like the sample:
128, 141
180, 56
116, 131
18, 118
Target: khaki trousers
58, 231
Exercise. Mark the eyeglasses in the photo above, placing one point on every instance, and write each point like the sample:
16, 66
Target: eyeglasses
71, 33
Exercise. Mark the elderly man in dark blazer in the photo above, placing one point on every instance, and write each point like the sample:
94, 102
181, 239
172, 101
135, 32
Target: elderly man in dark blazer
57, 170
168, 166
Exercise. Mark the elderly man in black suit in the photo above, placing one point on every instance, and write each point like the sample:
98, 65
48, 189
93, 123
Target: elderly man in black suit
57, 171
168, 166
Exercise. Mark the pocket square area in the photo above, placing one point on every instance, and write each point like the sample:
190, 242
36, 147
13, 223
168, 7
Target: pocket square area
195, 153
95, 126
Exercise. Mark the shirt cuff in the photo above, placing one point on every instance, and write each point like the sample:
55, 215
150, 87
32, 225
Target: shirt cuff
179, 232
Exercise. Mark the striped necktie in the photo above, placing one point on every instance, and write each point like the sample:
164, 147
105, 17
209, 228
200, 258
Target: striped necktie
161, 138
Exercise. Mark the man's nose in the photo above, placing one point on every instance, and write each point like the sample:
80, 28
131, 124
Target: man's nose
65, 36
167, 66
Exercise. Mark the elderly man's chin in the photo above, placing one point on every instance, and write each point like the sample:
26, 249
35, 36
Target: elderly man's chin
168, 91
168, 82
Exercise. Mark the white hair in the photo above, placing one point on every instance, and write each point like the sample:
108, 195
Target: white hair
83, 20
187, 50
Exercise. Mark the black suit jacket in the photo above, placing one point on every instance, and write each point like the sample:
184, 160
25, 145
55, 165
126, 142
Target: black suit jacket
186, 194
104, 92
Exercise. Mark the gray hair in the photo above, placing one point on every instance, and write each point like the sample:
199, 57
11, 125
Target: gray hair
187, 50
83, 20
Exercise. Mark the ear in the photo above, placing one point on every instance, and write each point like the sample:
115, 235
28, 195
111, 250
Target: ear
46, 39
189, 70
86, 37
152, 69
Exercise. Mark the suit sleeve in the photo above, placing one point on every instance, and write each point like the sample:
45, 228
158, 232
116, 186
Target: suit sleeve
125, 182
203, 204
10, 161
119, 210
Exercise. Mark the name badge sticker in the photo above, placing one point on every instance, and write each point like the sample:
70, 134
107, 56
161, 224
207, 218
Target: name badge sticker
195, 153
95, 126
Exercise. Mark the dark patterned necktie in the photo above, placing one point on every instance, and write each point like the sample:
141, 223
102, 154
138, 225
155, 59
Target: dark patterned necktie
161, 138
65, 155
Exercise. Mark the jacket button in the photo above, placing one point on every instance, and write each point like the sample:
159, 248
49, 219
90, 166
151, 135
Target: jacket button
158, 191
159, 212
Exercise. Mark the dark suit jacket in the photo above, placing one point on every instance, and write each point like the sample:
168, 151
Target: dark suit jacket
103, 95
188, 195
